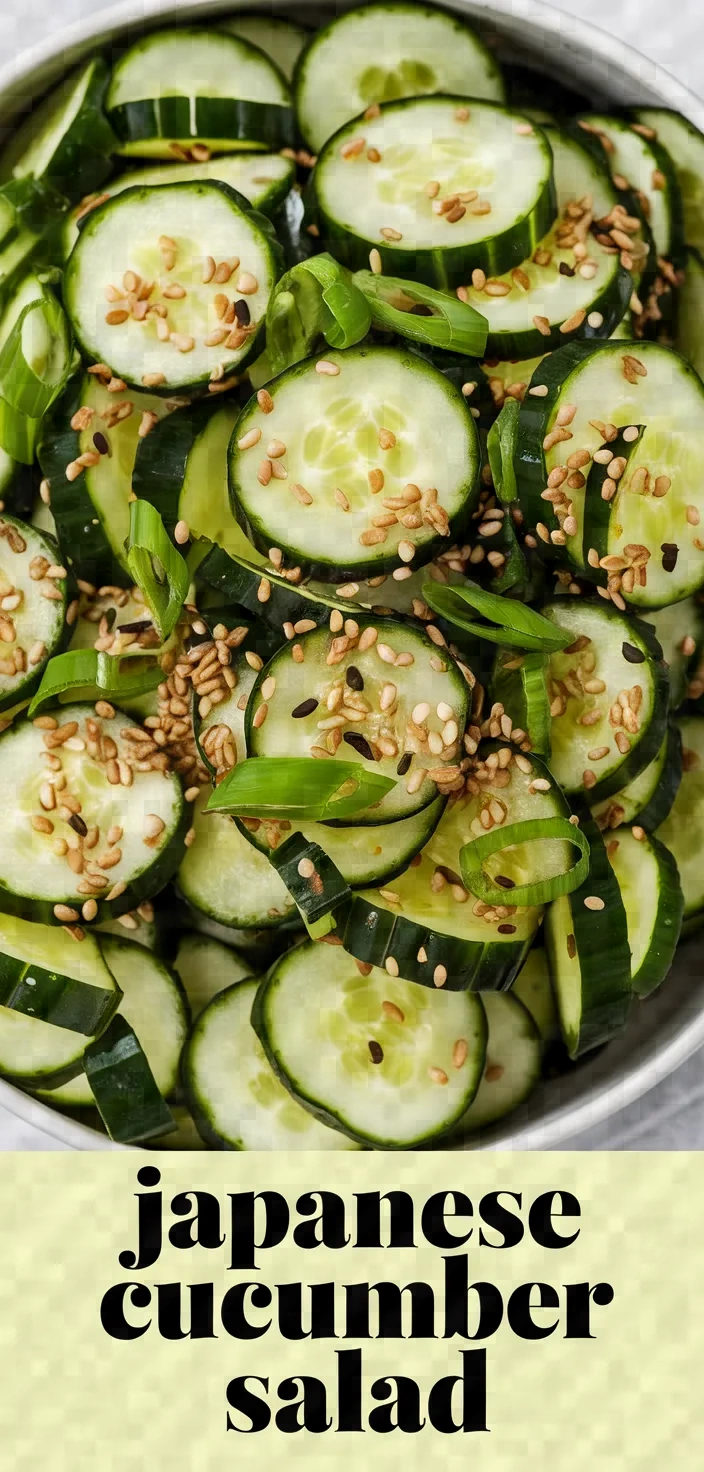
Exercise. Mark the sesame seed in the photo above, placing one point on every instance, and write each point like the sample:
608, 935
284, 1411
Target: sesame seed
328, 369
543, 327
391, 965
375, 264
593, 902
438, 1075
181, 532
540, 391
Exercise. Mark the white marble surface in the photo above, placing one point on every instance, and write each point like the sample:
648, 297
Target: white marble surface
671, 1117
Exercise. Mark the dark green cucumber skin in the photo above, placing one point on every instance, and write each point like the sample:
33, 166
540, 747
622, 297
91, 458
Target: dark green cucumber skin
27, 687
372, 933
83, 157
668, 923
444, 268
528, 88
81, 536
324, 891
597, 511
239, 582
259, 1023
162, 457
268, 125
604, 954
523, 694
531, 471
374, 566
612, 302
646, 749
129, 1102
196, 1107
433, 813
656, 810
663, 162
51, 997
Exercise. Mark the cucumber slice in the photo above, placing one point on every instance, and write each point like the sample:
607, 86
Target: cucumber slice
245, 578
652, 536
121, 239
180, 89
263, 178
383, 53
393, 1076
91, 509
33, 1050
533, 988
257, 901
281, 40
690, 305
682, 830
185, 1136
679, 630
66, 141
586, 939
73, 793
684, 144
428, 929
206, 968
369, 854
648, 798
52, 982
181, 467
520, 684
648, 171
123, 1086
371, 707
154, 1005
466, 147
236, 1099
591, 292
329, 423
32, 609
514, 1055
654, 903
613, 675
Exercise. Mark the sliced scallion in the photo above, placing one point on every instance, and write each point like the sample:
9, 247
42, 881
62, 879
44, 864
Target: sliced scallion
99, 675
509, 622
298, 788
474, 855
157, 567
443, 321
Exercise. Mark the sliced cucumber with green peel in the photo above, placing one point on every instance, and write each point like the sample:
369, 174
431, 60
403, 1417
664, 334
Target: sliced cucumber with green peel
428, 929
690, 305
243, 576
679, 630
119, 250
281, 40
32, 608
49, 811
377, 708
66, 141
206, 968
684, 144
520, 683
38, 1053
652, 896
648, 171
586, 939
182, 89
389, 1064
682, 830
364, 855
648, 799
224, 878
332, 478
514, 1053
382, 53
181, 467
652, 525
533, 988
497, 159
263, 178
90, 505
154, 1005
236, 1099
616, 679
47, 978
591, 292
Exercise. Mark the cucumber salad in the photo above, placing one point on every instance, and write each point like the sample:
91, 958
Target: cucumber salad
351, 582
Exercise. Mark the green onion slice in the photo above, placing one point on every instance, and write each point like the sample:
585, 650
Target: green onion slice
157, 567
473, 856
501, 448
299, 788
446, 323
124, 1087
18, 434
99, 675
315, 299
36, 358
515, 625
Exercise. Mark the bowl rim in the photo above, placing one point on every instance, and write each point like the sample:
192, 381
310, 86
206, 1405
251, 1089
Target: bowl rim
560, 1124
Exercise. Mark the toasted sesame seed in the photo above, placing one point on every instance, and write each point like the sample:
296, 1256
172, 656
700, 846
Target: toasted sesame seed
391, 965
593, 902
438, 1075
543, 327
375, 263
181, 532
328, 369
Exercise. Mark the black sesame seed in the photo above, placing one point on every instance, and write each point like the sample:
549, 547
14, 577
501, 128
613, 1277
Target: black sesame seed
404, 763
376, 1052
354, 679
505, 882
305, 708
77, 824
632, 655
359, 744
566, 270
242, 312
449, 875
101, 443
420, 310
670, 553
137, 627
507, 929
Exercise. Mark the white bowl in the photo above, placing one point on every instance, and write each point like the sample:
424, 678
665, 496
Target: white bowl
668, 1028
